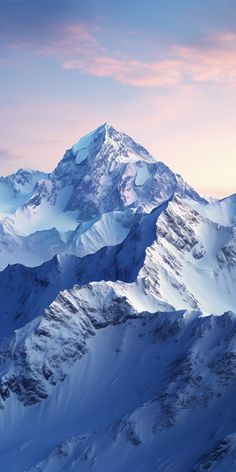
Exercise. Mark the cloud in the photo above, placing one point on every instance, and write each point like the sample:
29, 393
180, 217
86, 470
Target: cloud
89, 48
213, 61
130, 72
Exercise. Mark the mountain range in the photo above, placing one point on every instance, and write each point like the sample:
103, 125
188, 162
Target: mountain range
117, 317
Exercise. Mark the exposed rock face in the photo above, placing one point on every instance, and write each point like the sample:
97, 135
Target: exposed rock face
117, 343
97, 187
17, 188
172, 384
46, 348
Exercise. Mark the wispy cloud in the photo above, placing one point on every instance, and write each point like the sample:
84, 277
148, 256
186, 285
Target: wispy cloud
78, 47
214, 61
83, 46
129, 71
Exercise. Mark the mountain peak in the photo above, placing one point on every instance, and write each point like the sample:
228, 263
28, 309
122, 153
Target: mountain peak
103, 131
110, 142
107, 171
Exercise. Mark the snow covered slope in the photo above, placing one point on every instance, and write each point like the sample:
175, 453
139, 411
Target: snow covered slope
220, 211
97, 185
93, 380
17, 188
117, 316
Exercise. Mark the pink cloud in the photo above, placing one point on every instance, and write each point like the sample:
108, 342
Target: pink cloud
212, 62
78, 47
131, 72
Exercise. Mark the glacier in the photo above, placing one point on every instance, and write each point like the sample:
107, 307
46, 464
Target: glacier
117, 316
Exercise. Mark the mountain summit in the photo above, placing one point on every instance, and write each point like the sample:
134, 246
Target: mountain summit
106, 176
105, 135
107, 171
117, 316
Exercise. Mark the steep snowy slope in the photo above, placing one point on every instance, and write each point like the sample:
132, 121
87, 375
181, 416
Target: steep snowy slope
174, 255
87, 202
27, 291
109, 229
106, 171
220, 211
147, 390
112, 357
174, 382
17, 188
192, 261
33, 249
30, 250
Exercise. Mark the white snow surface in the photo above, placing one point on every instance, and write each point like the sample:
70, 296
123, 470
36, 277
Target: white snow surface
17, 188
117, 316
105, 173
81, 149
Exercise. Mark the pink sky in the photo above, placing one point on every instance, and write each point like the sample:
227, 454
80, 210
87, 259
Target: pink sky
172, 91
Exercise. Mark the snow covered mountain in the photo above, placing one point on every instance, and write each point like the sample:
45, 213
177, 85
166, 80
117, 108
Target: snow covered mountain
87, 202
17, 188
117, 317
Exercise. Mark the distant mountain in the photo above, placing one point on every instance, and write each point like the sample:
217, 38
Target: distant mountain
117, 316
104, 172
16, 189
88, 201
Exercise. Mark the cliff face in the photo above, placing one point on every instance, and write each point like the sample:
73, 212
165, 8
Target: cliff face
117, 317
